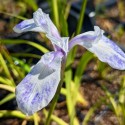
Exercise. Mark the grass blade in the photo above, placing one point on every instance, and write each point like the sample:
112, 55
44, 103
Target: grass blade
13, 15
26, 55
14, 113
7, 98
7, 87
6, 70
17, 41
81, 18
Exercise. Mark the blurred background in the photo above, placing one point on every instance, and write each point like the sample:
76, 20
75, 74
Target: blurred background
100, 95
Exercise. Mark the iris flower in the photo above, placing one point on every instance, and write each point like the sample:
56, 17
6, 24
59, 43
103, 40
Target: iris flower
39, 86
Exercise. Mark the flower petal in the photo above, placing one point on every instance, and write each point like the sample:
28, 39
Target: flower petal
42, 20
42, 23
87, 39
105, 49
27, 25
37, 89
60, 42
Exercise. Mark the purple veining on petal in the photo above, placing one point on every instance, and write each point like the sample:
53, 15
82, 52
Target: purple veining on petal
38, 88
25, 88
25, 96
26, 79
45, 94
116, 62
21, 105
82, 39
25, 25
106, 53
114, 46
37, 98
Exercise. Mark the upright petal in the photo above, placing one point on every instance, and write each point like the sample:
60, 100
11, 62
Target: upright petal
105, 49
37, 89
42, 23
27, 25
42, 20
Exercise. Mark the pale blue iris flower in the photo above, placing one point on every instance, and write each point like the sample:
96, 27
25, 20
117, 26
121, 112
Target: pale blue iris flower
38, 88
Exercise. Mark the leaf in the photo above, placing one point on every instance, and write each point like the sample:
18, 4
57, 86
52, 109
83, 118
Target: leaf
17, 41
87, 56
7, 98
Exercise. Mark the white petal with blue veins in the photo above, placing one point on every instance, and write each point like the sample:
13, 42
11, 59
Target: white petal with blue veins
37, 89
27, 25
42, 20
105, 49
109, 52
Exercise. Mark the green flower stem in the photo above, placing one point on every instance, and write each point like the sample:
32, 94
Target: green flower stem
54, 101
55, 12
81, 18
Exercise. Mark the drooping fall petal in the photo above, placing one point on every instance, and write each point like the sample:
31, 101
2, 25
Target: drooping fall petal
38, 88
105, 49
27, 25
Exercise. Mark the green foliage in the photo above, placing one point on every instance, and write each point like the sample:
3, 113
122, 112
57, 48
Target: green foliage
39, 47
118, 106
32, 4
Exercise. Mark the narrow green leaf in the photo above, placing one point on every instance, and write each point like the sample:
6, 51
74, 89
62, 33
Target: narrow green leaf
7, 87
101, 67
7, 98
26, 55
64, 25
67, 9
77, 78
17, 41
23, 65
55, 14
87, 56
81, 17
62, 19
36, 119
32, 3
70, 57
68, 79
5, 81
111, 99
13, 15
6, 70
11, 63
14, 113
121, 95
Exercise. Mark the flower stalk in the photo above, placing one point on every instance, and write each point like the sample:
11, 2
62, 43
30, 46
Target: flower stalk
54, 101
